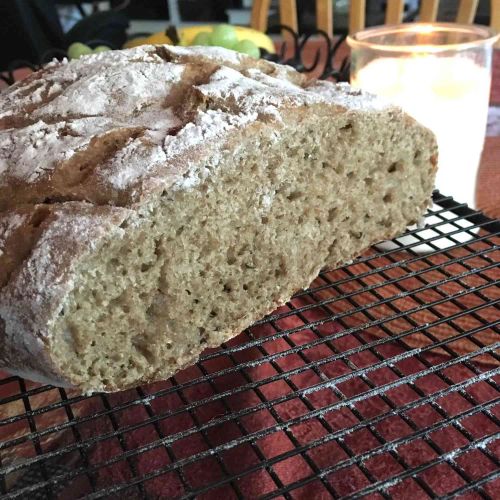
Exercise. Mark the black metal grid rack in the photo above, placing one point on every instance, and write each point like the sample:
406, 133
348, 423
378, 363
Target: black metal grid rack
380, 380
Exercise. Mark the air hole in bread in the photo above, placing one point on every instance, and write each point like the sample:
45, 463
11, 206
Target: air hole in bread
394, 167
388, 198
142, 349
332, 214
146, 267
158, 249
295, 195
151, 311
281, 269
346, 127
332, 246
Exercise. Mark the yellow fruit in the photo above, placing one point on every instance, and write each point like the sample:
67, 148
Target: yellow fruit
135, 42
188, 34
159, 39
154, 39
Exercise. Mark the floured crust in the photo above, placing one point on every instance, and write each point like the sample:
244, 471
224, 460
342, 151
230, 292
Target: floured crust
34, 292
85, 145
108, 128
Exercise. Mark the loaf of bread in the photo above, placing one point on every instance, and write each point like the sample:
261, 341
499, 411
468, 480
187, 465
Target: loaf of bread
158, 200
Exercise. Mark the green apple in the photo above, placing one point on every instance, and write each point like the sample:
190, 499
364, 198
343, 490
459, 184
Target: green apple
202, 38
101, 48
247, 47
224, 35
78, 49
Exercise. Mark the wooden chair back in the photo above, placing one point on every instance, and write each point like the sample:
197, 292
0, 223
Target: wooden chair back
393, 15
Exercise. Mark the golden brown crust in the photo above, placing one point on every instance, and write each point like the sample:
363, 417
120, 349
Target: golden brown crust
78, 122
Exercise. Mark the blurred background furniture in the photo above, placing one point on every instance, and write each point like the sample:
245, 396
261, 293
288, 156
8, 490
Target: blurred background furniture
362, 13
31, 28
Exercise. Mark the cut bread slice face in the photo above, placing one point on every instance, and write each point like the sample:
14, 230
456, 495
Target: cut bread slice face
140, 276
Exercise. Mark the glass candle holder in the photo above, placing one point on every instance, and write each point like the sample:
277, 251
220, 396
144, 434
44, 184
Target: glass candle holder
440, 73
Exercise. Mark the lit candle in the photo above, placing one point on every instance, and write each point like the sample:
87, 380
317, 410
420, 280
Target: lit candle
445, 86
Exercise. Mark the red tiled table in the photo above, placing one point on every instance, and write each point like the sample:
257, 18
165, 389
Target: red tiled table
488, 182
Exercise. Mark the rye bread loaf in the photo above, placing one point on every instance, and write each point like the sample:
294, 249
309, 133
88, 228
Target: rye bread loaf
156, 201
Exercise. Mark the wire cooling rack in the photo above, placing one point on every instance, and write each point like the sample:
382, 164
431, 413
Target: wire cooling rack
380, 380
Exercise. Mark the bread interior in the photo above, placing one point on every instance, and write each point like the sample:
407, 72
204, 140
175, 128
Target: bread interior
207, 261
